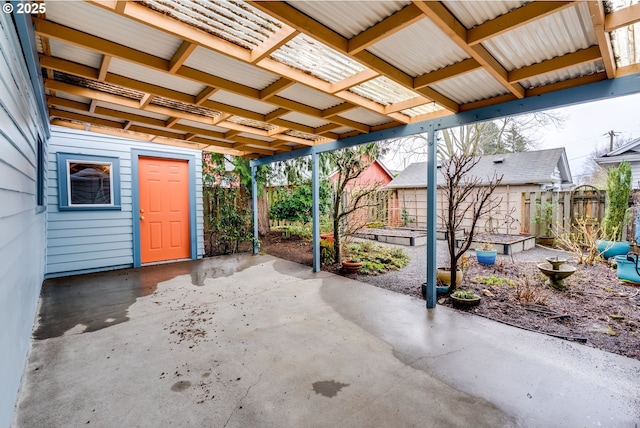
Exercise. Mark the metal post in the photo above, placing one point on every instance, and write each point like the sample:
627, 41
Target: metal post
431, 218
315, 210
254, 201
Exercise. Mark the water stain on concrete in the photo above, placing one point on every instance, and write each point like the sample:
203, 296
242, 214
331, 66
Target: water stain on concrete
180, 386
328, 388
101, 300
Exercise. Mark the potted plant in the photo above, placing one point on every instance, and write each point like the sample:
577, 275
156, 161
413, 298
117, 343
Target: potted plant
351, 265
486, 254
464, 298
544, 220
617, 212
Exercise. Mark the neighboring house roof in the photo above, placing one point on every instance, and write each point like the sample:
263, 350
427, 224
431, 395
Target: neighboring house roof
629, 152
376, 161
537, 167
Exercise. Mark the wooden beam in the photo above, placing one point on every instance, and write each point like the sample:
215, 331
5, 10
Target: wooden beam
407, 104
351, 124
453, 70
277, 86
340, 108
405, 17
92, 106
273, 43
145, 101
171, 121
104, 68
596, 10
514, 19
448, 23
555, 64
53, 112
354, 80
566, 84
622, 18
181, 55
277, 113
205, 94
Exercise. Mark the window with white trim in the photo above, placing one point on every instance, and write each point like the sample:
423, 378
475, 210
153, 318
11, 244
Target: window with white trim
88, 182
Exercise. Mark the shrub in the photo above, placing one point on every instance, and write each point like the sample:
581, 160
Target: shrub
327, 255
377, 259
618, 193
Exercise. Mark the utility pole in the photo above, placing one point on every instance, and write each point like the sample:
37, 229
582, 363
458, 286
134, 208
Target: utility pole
611, 134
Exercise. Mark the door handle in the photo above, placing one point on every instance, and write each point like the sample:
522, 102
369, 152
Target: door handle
141, 217
141, 210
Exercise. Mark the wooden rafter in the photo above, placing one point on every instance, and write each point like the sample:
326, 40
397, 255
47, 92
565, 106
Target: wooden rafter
458, 34
596, 10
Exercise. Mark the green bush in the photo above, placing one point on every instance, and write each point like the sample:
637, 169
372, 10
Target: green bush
327, 253
618, 193
377, 259
295, 204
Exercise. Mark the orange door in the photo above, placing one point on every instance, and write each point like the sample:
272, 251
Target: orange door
164, 209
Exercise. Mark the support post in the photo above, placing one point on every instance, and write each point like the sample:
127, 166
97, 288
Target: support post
254, 202
432, 186
315, 210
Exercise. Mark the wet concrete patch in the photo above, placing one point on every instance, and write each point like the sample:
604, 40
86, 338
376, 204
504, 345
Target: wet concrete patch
180, 386
328, 388
99, 300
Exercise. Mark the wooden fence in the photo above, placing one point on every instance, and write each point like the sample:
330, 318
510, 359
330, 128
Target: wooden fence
582, 202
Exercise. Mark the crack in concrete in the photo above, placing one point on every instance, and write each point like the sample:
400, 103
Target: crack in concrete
237, 407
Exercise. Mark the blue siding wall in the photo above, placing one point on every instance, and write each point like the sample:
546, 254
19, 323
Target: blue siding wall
86, 241
22, 221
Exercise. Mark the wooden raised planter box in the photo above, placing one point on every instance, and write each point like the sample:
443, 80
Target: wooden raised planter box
503, 243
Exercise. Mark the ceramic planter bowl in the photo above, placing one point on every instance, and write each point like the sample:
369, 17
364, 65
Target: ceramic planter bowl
486, 257
610, 249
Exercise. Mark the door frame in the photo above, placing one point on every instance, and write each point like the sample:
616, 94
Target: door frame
136, 154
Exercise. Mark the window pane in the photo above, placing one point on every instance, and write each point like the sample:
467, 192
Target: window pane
90, 183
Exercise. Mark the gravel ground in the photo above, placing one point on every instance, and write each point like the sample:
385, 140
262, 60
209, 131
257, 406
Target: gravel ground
408, 279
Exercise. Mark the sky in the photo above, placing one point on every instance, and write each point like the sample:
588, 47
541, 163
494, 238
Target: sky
587, 126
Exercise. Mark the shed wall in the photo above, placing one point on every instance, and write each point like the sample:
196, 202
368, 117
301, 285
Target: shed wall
86, 241
22, 221
413, 202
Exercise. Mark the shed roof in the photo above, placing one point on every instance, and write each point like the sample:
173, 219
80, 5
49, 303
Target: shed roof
259, 78
535, 167
630, 152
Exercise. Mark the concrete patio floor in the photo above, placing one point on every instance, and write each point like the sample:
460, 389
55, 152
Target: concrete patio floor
256, 341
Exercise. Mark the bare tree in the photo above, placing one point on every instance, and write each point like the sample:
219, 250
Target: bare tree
593, 173
467, 197
350, 163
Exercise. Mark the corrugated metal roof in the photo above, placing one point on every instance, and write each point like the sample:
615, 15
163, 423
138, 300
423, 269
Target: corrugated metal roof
554, 35
425, 48
318, 60
102, 23
132, 110
233, 21
349, 17
473, 13
383, 91
71, 97
138, 72
75, 54
242, 102
342, 130
206, 60
423, 109
304, 119
365, 116
469, 87
567, 73
256, 137
213, 128
537, 167
312, 97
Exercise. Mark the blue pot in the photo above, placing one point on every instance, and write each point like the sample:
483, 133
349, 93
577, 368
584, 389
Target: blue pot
613, 248
486, 257
440, 290
626, 269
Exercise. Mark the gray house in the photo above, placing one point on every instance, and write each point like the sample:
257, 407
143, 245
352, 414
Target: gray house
629, 152
536, 171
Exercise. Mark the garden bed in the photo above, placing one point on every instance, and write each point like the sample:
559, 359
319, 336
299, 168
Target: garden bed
400, 235
503, 243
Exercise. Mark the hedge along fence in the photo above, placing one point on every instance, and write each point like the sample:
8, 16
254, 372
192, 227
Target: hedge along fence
582, 202
227, 220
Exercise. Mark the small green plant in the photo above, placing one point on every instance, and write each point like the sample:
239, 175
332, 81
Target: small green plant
295, 231
406, 219
375, 225
464, 294
327, 255
497, 281
377, 259
544, 218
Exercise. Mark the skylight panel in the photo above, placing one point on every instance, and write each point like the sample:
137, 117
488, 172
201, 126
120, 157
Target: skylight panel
233, 21
314, 58
383, 91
